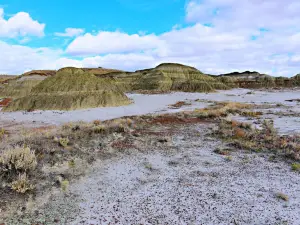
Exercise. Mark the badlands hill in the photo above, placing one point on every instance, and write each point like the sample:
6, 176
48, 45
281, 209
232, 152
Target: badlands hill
69, 89
4, 78
255, 79
167, 77
247, 79
20, 86
100, 70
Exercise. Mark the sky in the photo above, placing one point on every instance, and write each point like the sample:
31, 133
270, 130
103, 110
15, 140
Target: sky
215, 36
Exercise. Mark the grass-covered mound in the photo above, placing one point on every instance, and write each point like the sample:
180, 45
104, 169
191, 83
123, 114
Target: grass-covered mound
168, 77
21, 86
71, 89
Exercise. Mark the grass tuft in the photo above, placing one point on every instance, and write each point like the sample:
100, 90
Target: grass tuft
22, 184
296, 166
282, 196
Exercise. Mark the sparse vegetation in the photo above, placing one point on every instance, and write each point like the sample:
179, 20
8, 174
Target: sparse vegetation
99, 129
64, 185
264, 139
64, 142
2, 132
96, 122
15, 164
228, 158
222, 151
179, 104
222, 109
282, 196
296, 166
22, 184
17, 161
148, 166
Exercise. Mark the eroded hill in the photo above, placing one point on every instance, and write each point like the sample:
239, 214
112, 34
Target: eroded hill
71, 89
167, 77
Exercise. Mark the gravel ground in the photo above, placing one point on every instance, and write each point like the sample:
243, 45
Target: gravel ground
181, 181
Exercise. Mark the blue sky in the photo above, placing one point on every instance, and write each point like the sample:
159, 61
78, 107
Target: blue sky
130, 16
216, 36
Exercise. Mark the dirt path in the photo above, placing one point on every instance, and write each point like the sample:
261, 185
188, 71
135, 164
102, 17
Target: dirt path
181, 181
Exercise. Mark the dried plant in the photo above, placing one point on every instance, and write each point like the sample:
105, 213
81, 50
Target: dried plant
18, 160
22, 184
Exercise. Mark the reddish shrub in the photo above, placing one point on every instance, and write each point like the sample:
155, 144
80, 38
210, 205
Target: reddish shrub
5, 102
97, 122
239, 133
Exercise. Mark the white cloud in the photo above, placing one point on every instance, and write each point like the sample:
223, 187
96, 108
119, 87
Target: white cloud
112, 42
16, 59
129, 61
247, 14
21, 24
70, 32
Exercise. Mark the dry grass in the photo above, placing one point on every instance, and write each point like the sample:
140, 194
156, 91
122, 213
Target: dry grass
239, 133
97, 122
18, 160
2, 133
64, 142
222, 151
64, 185
22, 184
282, 196
266, 139
174, 119
98, 129
222, 109
15, 164
179, 104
